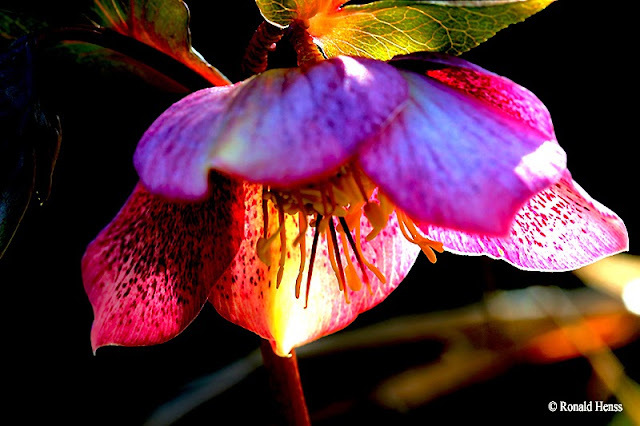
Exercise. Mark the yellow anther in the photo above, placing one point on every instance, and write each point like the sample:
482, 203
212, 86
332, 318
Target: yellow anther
350, 187
408, 229
341, 198
386, 205
353, 280
264, 244
377, 218
354, 214
302, 227
336, 261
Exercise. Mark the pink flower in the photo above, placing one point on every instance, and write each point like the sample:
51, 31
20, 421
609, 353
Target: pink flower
352, 166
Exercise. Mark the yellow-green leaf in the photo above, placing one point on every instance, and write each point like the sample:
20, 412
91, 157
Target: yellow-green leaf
384, 29
162, 24
282, 12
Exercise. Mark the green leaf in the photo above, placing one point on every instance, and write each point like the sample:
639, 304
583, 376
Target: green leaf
29, 140
279, 13
384, 29
282, 12
161, 24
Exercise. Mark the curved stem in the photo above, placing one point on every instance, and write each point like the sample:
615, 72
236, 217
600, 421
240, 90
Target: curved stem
307, 51
263, 42
284, 380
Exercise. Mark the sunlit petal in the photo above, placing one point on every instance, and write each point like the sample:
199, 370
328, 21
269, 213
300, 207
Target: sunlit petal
247, 294
283, 127
561, 228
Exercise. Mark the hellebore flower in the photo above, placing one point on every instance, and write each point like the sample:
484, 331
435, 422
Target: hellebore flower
299, 198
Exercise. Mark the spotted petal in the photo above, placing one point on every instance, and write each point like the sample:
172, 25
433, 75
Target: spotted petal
246, 295
561, 228
283, 127
148, 273
467, 152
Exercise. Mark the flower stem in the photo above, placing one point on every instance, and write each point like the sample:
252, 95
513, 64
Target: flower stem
262, 43
306, 50
284, 380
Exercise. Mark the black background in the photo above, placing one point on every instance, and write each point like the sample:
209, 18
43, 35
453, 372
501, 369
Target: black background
577, 59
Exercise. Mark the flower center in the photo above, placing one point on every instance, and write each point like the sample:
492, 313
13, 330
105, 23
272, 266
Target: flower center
334, 207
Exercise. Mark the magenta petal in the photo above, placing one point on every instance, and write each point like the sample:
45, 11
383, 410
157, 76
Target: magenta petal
148, 273
510, 98
561, 228
457, 157
282, 127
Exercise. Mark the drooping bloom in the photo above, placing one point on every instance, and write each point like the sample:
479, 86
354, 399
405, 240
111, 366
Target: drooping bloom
299, 198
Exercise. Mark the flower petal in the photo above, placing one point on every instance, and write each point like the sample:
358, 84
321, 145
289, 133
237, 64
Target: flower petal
282, 128
148, 273
561, 228
467, 152
246, 294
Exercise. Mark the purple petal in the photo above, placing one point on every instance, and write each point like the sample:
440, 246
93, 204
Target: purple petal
148, 273
282, 128
473, 80
466, 153
561, 228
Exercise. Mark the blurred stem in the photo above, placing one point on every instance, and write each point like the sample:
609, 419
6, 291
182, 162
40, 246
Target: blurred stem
284, 380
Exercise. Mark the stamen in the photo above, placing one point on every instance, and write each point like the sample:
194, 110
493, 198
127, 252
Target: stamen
283, 246
369, 265
339, 197
302, 227
377, 218
336, 260
351, 188
327, 206
352, 278
408, 229
314, 247
354, 214
386, 205
263, 244
265, 216
345, 196
360, 186
302, 241
354, 247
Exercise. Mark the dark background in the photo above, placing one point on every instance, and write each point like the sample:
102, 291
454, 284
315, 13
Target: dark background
576, 59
